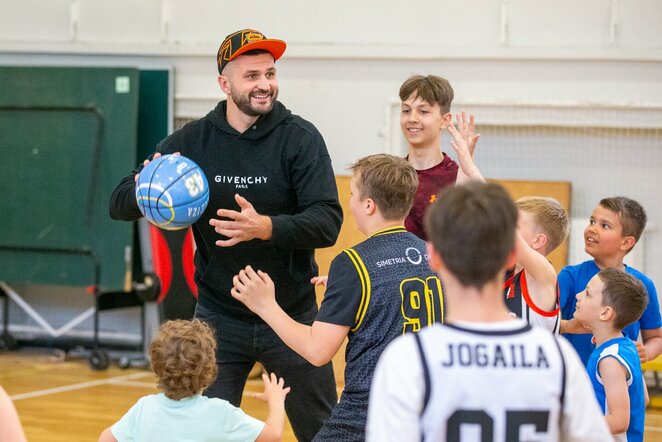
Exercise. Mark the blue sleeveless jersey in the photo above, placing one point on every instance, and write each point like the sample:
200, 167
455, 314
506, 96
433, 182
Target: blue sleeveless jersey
625, 352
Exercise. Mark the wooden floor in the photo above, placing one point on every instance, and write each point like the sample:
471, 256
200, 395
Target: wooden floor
65, 401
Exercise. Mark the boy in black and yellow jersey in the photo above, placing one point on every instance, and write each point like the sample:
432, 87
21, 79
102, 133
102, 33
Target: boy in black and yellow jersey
377, 290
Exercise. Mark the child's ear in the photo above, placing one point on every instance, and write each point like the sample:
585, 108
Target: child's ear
540, 241
448, 119
607, 313
370, 206
627, 243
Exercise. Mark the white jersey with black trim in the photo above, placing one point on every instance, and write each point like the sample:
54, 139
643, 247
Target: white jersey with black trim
501, 381
520, 304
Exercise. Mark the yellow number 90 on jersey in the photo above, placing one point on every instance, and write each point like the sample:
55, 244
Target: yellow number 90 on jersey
172, 192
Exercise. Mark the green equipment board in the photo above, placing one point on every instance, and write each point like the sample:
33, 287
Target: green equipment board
68, 137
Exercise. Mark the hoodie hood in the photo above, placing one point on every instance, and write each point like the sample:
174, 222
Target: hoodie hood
264, 125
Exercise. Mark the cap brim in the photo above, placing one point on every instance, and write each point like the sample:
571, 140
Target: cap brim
274, 47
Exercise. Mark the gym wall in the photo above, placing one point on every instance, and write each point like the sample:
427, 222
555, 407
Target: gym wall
562, 91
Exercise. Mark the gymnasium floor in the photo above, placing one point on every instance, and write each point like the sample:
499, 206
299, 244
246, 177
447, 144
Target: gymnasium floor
65, 401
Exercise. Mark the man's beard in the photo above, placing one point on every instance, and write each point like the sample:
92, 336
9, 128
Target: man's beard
243, 103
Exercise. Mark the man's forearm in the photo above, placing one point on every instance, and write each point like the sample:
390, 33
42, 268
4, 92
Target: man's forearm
123, 205
316, 227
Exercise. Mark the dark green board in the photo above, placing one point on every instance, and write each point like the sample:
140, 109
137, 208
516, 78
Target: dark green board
67, 136
153, 115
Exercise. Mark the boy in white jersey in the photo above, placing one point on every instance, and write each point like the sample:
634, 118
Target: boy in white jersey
484, 375
530, 288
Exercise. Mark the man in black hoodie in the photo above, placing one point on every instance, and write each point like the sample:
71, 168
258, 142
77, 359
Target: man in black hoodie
273, 200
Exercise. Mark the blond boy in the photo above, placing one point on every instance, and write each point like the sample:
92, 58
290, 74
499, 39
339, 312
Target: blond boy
530, 287
531, 291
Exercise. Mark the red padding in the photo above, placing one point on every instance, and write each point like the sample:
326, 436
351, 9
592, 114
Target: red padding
188, 250
162, 261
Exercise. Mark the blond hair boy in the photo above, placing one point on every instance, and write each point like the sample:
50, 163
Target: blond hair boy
530, 287
531, 291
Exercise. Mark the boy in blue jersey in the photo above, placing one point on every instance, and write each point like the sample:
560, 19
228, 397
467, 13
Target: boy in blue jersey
612, 300
377, 290
613, 230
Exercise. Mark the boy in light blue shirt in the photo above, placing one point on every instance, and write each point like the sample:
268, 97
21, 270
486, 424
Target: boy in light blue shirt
183, 356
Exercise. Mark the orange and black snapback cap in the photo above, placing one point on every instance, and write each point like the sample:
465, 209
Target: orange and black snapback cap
246, 40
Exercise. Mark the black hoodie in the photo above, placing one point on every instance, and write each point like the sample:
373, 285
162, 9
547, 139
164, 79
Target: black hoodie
282, 167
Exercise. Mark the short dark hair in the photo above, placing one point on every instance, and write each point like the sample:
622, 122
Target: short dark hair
472, 227
183, 356
631, 213
625, 294
389, 180
254, 52
430, 88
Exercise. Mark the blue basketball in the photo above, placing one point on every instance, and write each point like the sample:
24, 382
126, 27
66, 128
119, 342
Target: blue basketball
172, 192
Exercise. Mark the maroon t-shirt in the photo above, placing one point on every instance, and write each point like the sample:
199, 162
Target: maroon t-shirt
430, 182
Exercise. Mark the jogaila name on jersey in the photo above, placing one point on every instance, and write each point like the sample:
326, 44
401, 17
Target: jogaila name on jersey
495, 356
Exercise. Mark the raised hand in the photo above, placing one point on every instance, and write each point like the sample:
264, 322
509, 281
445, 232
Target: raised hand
467, 129
241, 226
274, 389
468, 169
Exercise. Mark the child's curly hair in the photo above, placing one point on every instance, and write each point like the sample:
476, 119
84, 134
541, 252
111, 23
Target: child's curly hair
183, 356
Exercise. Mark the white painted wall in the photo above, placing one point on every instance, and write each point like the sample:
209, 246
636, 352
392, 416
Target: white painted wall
347, 58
